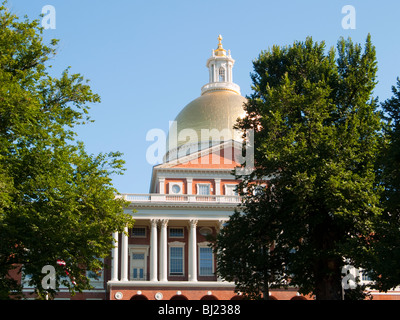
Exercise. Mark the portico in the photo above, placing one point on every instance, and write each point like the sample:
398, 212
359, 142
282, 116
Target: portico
171, 248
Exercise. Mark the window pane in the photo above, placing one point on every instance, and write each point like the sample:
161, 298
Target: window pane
204, 189
138, 256
230, 190
176, 260
206, 261
139, 232
176, 232
221, 74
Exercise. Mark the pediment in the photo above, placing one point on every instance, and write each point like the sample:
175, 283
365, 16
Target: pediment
226, 155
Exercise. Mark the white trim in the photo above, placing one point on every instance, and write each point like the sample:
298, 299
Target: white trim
178, 214
177, 244
177, 284
384, 293
183, 200
172, 184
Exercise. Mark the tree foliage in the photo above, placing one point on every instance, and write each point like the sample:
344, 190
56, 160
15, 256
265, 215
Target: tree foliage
248, 248
316, 135
383, 265
56, 201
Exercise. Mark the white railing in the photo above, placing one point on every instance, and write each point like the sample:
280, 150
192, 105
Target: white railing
220, 85
156, 197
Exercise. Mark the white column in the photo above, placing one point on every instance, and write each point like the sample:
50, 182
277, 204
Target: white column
114, 253
163, 251
217, 187
189, 182
192, 251
230, 77
220, 225
153, 250
161, 185
124, 255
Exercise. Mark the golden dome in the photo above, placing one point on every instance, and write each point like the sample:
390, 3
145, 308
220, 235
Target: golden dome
209, 119
213, 110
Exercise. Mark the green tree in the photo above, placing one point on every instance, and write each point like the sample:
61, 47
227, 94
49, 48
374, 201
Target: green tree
56, 201
248, 249
391, 154
383, 266
316, 136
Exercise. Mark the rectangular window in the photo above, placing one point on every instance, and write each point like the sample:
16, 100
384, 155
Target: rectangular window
365, 276
139, 232
176, 261
138, 266
176, 232
206, 261
203, 189
230, 190
138, 256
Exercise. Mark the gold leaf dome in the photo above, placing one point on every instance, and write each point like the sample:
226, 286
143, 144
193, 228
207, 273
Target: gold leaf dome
218, 110
210, 118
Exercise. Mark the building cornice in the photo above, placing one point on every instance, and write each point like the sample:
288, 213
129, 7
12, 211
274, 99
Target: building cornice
221, 207
184, 201
172, 284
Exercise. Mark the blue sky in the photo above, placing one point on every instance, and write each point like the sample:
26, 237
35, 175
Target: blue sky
146, 59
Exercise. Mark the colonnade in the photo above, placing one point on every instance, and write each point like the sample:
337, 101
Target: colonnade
158, 269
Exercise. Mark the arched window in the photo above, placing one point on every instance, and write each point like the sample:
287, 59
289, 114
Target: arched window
221, 74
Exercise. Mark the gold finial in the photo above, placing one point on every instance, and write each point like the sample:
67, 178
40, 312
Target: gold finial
219, 41
220, 51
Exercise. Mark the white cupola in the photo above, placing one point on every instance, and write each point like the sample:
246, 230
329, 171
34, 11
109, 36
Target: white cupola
220, 66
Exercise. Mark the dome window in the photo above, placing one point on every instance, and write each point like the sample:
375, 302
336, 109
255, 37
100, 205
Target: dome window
221, 74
